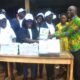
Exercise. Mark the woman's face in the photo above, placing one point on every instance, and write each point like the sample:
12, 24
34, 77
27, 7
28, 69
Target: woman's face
39, 19
49, 18
29, 23
3, 23
63, 18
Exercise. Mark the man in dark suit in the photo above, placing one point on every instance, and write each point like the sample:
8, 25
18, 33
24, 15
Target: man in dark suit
16, 25
17, 22
29, 34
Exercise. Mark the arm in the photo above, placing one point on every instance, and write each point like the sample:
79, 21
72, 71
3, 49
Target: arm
64, 33
23, 37
30, 40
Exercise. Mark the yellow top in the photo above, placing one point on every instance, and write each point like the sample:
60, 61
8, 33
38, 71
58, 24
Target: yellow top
64, 40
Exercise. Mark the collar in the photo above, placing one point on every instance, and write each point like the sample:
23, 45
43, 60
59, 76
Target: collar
74, 17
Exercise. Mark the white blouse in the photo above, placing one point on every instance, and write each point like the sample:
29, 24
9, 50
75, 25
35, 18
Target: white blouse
30, 33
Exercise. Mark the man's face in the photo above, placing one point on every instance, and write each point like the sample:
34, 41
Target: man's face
21, 15
71, 11
3, 23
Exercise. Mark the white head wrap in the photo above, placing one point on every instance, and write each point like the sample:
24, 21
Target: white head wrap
2, 16
29, 16
40, 14
48, 13
20, 10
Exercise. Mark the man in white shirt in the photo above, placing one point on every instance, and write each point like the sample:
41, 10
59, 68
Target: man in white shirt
7, 35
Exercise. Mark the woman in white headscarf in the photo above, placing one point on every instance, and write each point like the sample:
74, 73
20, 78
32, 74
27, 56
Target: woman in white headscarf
7, 35
29, 34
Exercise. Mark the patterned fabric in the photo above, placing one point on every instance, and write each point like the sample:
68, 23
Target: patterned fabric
63, 41
73, 33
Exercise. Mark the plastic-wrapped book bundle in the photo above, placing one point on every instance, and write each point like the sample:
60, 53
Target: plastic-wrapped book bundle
27, 49
9, 49
31, 49
49, 46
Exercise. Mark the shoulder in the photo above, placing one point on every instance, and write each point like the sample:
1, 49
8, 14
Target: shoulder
76, 19
44, 25
14, 23
14, 19
58, 25
67, 23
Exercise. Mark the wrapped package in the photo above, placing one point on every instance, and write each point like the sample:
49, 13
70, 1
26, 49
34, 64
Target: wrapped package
49, 46
29, 49
9, 49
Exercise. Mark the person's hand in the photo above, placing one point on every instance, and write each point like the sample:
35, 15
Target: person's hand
56, 34
50, 36
14, 40
36, 41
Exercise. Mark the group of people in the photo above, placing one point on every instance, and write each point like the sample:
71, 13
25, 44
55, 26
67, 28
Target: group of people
25, 28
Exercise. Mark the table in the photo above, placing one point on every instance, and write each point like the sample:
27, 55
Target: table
64, 58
